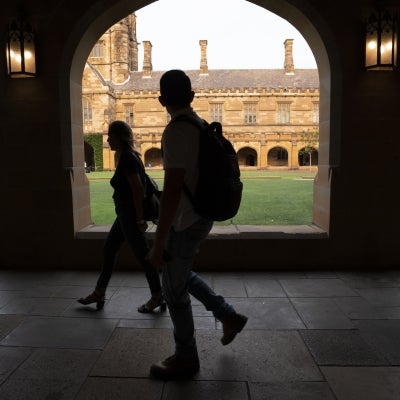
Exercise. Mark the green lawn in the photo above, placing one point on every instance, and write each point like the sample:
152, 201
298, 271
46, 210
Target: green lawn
269, 198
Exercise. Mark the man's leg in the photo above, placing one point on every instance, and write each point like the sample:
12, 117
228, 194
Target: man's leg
182, 246
232, 322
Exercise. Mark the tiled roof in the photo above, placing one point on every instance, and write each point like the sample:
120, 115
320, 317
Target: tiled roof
231, 79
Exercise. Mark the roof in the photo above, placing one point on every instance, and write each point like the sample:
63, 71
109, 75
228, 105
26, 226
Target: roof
234, 79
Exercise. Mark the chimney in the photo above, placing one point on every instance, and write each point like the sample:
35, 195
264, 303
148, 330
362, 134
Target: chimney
203, 57
289, 65
147, 67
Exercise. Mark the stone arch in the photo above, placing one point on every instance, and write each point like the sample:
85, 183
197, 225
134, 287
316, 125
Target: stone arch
102, 14
247, 157
278, 156
304, 158
152, 158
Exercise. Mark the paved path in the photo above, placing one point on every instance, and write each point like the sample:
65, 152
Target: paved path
312, 335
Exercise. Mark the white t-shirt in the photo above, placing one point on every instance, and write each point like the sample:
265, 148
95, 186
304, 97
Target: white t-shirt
180, 143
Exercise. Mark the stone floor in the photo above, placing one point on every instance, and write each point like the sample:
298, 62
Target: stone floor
315, 335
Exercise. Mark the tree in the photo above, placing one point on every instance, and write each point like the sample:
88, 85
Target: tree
310, 140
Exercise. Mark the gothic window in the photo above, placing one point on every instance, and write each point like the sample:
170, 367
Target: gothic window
216, 112
87, 111
283, 113
315, 113
129, 114
250, 113
97, 50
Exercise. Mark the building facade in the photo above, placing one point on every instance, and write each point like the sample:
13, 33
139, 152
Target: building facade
268, 115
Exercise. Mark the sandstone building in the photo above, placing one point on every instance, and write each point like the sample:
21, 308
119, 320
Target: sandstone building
265, 113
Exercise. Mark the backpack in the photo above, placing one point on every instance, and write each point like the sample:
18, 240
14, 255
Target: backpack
152, 195
218, 192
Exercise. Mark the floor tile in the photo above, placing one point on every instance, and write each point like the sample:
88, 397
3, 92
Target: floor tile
260, 356
165, 323
268, 313
321, 274
372, 279
79, 278
274, 275
17, 389
320, 313
10, 359
200, 311
291, 391
130, 279
389, 312
9, 323
366, 383
263, 288
316, 288
205, 390
121, 389
7, 296
49, 374
36, 306
381, 297
61, 332
341, 347
138, 323
384, 336
230, 288
130, 352
358, 308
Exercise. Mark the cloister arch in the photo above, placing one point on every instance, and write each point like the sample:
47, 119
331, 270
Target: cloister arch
278, 156
306, 157
103, 14
247, 157
152, 158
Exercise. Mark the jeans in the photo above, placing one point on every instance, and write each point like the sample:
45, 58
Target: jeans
179, 281
125, 228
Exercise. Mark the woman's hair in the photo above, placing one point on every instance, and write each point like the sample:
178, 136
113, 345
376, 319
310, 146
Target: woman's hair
123, 132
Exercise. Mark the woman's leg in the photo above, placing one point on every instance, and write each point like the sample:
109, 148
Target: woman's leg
140, 247
111, 247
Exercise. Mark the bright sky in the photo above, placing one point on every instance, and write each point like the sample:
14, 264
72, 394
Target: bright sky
240, 35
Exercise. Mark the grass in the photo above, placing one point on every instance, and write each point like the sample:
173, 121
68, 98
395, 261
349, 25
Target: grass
269, 198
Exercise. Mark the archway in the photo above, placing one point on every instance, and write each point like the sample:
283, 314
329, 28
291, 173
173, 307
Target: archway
247, 157
152, 158
308, 158
277, 157
102, 15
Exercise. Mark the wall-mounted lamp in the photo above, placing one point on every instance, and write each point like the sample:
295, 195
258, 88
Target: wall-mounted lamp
381, 41
20, 49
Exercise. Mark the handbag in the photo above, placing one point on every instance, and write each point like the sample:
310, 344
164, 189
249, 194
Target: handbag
151, 202
152, 194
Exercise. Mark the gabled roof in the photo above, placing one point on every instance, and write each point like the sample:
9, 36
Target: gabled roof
231, 79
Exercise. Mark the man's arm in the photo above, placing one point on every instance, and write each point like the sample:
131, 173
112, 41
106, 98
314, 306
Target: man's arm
171, 195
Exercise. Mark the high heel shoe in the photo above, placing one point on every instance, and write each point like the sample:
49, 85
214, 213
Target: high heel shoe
152, 304
94, 297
